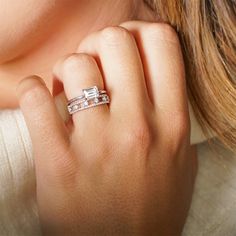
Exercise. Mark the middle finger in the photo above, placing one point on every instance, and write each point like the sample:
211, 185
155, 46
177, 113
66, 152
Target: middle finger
118, 56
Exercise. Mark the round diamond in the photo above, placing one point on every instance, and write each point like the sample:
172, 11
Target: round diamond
86, 104
75, 107
96, 100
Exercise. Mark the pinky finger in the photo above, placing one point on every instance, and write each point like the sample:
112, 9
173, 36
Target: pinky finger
47, 130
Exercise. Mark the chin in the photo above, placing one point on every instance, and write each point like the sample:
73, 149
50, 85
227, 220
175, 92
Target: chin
16, 38
9, 53
23, 24
17, 43
6, 58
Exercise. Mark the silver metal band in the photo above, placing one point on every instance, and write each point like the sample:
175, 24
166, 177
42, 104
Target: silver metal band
91, 97
83, 97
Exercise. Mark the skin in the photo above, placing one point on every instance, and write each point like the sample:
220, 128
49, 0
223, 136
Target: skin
32, 48
138, 177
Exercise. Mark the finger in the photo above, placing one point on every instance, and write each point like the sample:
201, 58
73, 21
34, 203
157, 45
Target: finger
49, 135
163, 66
121, 64
80, 71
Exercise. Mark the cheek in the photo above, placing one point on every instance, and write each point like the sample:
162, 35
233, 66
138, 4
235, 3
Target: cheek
23, 23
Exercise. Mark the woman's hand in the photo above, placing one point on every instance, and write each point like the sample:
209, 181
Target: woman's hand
123, 169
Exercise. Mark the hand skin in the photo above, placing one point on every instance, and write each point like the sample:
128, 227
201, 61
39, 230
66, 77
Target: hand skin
123, 169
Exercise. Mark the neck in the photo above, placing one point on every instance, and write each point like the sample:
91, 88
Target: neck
64, 40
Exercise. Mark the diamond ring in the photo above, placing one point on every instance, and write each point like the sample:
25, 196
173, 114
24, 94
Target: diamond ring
91, 97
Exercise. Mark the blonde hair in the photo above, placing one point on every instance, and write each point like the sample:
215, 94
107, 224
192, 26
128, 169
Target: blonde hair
207, 30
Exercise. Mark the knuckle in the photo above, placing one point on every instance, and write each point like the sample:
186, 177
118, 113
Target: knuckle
76, 60
180, 128
115, 35
138, 136
34, 96
162, 31
132, 24
176, 134
85, 44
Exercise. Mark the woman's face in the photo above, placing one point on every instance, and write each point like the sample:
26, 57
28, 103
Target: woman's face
26, 23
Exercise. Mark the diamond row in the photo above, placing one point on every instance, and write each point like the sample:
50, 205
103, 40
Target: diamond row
102, 99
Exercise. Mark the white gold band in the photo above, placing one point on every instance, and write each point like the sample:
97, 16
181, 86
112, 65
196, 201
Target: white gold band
92, 97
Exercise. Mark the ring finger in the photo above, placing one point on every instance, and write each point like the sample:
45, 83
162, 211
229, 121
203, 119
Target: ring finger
80, 71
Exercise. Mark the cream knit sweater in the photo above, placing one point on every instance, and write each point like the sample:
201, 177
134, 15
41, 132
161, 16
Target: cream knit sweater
213, 210
18, 211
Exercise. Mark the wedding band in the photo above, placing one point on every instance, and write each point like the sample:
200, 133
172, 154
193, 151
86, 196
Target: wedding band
91, 97
83, 97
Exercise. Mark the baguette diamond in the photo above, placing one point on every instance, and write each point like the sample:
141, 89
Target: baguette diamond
91, 92
91, 97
